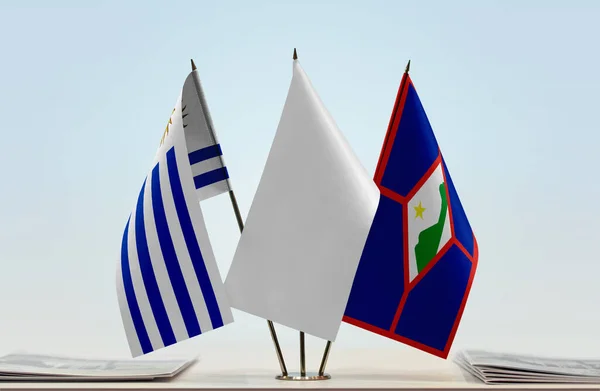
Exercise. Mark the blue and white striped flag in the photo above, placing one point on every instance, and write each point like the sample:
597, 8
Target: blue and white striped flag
169, 286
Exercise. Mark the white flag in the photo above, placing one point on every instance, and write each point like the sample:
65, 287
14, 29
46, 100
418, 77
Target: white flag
168, 285
308, 223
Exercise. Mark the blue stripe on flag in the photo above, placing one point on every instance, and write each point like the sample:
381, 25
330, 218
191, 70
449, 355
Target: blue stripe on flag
134, 309
192, 244
205, 154
170, 257
208, 178
148, 276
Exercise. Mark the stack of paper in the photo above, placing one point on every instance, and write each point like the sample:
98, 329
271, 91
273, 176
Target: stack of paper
498, 368
29, 367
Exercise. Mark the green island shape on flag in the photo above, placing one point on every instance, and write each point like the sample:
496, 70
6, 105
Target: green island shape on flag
429, 239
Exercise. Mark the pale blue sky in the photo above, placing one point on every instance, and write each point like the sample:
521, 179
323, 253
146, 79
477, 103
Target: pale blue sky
511, 89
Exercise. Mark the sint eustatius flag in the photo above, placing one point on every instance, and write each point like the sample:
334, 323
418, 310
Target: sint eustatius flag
420, 257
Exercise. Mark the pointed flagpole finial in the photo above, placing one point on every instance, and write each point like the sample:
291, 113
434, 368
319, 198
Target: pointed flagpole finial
295, 55
193, 65
407, 67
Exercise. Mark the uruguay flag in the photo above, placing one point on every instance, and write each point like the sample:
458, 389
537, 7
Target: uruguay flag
169, 287
420, 257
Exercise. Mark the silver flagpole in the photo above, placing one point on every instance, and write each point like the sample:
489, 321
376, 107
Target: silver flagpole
321, 375
234, 203
328, 346
324, 359
302, 356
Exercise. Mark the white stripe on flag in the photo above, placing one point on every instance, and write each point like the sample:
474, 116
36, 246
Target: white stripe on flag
212, 190
213, 272
206, 166
132, 339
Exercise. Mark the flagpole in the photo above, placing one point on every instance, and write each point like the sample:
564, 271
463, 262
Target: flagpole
302, 356
324, 359
302, 345
234, 204
328, 346
379, 167
321, 375
238, 217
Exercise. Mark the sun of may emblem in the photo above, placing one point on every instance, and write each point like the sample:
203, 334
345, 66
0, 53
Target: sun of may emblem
166, 133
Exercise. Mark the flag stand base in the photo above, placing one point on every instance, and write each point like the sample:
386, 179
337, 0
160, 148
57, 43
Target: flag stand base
296, 376
303, 375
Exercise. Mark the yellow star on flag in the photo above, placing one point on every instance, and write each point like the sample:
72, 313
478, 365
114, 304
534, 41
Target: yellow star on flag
419, 211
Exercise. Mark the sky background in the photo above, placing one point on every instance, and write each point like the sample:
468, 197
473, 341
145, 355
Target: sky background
511, 89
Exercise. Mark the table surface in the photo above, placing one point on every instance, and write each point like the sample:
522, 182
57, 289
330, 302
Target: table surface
357, 369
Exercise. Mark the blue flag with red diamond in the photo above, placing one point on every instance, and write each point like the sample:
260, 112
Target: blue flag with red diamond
420, 257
